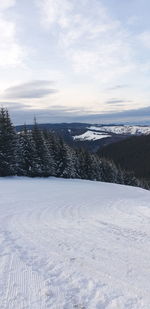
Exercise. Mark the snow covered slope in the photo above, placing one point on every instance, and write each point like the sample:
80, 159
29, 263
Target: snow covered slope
73, 244
90, 135
94, 133
125, 129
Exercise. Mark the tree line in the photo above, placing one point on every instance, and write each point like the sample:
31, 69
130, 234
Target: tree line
42, 153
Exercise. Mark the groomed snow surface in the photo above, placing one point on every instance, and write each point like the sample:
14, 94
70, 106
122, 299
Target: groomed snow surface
73, 244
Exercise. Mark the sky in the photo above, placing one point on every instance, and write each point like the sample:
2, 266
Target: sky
69, 60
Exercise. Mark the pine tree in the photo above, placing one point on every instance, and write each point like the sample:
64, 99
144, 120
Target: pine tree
8, 144
109, 171
87, 165
68, 159
49, 143
27, 154
43, 158
80, 163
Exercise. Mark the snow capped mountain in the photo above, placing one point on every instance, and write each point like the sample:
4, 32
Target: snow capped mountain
96, 132
125, 129
73, 244
80, 132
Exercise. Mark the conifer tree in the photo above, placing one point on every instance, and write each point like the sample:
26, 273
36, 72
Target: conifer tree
109, 171
68, 159
27, 154
42, 157
8, 142
49, 143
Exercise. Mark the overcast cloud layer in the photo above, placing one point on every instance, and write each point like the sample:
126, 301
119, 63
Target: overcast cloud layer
71, 59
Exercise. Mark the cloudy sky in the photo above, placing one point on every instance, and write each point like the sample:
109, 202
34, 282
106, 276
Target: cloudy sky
69, 60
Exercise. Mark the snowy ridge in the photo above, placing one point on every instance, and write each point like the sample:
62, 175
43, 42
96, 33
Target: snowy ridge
90, 135
94, 133
68, 244
125, 129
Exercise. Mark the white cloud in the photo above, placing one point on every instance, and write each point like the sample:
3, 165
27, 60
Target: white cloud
11, 52
91, 40
5, 4
55, 11
144, 38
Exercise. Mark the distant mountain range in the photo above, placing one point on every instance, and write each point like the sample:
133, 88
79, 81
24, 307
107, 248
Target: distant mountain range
93, 137
127, 145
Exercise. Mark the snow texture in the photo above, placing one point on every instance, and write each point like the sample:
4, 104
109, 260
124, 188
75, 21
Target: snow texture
90, 135
67, 244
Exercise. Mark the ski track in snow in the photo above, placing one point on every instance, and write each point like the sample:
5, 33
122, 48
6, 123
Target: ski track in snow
67, 244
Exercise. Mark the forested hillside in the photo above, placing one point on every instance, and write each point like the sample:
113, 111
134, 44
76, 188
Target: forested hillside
132, 154
41, 153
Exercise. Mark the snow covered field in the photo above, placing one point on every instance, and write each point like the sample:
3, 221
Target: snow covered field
73, 244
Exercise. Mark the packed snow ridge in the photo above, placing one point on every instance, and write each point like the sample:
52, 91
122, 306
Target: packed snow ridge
67, 244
